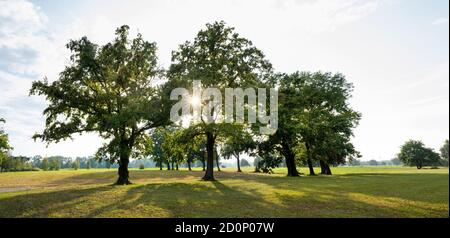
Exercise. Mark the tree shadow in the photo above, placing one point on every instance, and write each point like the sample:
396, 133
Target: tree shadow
44, 204
349, 195
110, 176
357, 205
182, 200
415, 186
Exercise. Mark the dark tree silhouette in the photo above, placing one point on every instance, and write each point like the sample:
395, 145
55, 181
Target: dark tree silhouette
109, 90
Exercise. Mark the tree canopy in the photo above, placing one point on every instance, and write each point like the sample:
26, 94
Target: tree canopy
414, 153
314, 114
221, 59
4, 142
110, 90
4, 147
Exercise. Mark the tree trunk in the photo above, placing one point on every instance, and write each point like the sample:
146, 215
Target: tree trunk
123, 168
168, 165
216, 157
328, 169
292, 168
209, 174
290, 161
311, 168
173, 166
204, 164
160, 165
189, 165
309, 161
323, 169
176, 164
238, 164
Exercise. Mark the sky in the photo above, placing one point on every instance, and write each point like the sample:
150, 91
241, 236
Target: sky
395, 52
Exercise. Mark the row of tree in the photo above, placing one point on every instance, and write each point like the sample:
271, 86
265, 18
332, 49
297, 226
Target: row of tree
10, 163
413, 153
15, 163
119, 91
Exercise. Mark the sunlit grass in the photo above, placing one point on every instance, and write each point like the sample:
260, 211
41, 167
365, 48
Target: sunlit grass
350, 192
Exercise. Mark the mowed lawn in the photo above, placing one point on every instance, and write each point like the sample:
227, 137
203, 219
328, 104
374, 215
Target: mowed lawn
351, 192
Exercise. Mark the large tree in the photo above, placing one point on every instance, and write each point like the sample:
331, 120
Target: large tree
4, 146
4, 142
326, 120
221, 59
315, 120
414, 153
286, 138
334, 149
109, 90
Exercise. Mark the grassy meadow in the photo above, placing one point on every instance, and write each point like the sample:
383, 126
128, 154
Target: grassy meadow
350, 192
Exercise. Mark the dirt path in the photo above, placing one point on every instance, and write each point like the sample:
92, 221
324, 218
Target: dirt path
16, 189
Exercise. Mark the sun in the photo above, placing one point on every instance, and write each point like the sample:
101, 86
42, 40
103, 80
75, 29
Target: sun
195, 101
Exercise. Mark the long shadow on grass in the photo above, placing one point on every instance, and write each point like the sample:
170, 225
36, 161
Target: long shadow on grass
44, 204
201, 199
429, 188
373, 199
110, 176
350, 195
425, 187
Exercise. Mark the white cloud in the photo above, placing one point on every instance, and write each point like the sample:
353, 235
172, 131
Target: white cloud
25, 43
322, 15
20, 18
21, 37
28, 51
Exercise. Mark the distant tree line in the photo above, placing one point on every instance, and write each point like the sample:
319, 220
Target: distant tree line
52, 163
413, 153
15, 164
392, 162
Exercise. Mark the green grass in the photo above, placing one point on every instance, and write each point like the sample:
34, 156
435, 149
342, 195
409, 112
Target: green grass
350, 192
